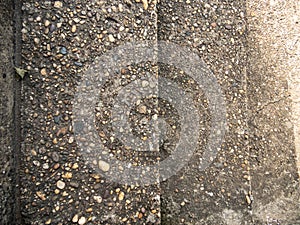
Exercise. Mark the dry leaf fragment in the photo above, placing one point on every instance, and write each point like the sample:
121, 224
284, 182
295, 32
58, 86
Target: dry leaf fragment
21, 72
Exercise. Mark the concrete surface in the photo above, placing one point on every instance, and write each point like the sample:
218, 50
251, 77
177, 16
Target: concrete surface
7, 78
273, 90
252, 48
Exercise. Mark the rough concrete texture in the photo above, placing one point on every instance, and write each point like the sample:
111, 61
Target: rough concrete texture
251, 47
273, 95
60, 41
6, 115
216, 31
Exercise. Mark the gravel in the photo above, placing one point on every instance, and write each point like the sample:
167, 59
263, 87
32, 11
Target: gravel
63, 181
60, 40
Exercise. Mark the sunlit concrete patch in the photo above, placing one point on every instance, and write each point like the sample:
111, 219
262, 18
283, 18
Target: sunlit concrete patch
294, 82
278, 34
275, 101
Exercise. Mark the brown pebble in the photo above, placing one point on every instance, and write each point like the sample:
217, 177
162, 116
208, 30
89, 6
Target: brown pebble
44, 71
56, 166
213, 25
89, 210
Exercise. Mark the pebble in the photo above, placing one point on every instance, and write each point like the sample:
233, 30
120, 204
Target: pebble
60, 184
142, 109
52, 27
121, 196
228, 26
75, 219
41, 195
89, 210
55, 141
82, 220
67, 175
58, 4
74, 184
71, 140
36, 40
63, 50
45, 166
73, 29
98, 198
104, 166
111, 38
56, 119
76, 20
145, 83
120, 7
145, 4
56, 166
78, 63
44, 71
248, 200
55, 156
75, 166
47, 23
36, 163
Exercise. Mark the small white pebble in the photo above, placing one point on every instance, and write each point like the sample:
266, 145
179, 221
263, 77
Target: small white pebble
75, 219
111, 38
82, 220
60, 184
58, 4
